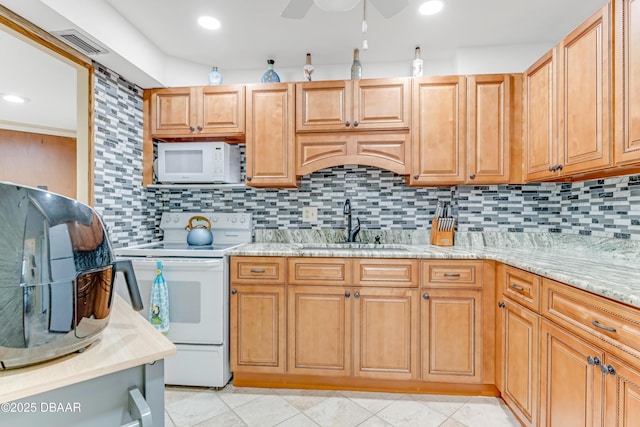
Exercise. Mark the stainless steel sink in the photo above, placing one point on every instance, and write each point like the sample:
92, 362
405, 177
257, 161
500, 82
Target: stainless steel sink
353, 247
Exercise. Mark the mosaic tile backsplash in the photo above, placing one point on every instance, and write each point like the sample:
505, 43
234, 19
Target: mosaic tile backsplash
601, 208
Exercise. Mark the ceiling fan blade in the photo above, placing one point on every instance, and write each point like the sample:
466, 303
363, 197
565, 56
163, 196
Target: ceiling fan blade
296, 9
388, 8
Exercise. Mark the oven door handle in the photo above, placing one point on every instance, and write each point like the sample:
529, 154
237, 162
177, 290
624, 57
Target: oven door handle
180, 263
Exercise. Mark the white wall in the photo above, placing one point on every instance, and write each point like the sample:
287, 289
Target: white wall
483, 60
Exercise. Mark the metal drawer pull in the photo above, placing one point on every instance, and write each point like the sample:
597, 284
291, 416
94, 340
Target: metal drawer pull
451, 274
425, 296
604, 328
517, 287
255, 270
608, 370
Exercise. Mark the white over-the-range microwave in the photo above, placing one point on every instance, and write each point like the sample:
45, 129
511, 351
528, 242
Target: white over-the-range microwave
198, 162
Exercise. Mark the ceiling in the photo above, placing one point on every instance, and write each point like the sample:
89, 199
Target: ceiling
148, 37
252, 30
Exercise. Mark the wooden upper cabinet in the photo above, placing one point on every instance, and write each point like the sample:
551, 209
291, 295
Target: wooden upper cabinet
584, 137
489, 129
438, 127
350, 105
270, 135
540, 120
627, 82
197, 112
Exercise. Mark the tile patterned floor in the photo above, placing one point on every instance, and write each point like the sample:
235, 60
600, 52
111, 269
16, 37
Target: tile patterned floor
258, 407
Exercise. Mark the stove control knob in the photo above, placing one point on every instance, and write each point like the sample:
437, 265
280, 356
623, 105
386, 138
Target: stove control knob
214, 219
243, 219
176, 218
234, 219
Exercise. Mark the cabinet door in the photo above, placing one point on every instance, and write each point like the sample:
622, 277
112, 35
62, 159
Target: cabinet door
257, 328
386, 333
319, 330
324, 106
571, 390
439, 105
584, 140
270, 135
221, 110
489, 129
540, 118
520, 345
451, 328
173, 112
627, 82
622, 401
381, 104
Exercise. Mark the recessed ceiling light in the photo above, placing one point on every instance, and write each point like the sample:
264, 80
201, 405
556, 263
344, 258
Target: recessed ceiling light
431, 7
14, 98
209, 22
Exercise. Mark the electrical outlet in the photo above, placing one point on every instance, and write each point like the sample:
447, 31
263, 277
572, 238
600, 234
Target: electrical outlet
309, 214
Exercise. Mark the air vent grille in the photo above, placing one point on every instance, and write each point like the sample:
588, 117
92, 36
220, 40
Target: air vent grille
81, 42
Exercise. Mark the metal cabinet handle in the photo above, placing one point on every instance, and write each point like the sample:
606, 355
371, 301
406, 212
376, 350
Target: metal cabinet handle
357, 295
191, 128
138, 409
517, 287
248, 178
604, 328
552, 168
451, 274
416, 176
607, 369
559, 167
472, 176
255, 270
234, 291
593, 361
355, 124
425, 296
501, 304
347, 294
347, 123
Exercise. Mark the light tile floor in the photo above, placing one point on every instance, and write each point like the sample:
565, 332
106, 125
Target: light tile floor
258, 407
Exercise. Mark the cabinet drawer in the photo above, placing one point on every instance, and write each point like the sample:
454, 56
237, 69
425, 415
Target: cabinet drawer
268, 270
319, 271
452, 274
522, 287
591, 316
386, 272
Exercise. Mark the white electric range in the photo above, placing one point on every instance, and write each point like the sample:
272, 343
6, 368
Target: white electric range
198, 282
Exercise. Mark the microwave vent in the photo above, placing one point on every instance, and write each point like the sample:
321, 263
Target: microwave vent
80, 41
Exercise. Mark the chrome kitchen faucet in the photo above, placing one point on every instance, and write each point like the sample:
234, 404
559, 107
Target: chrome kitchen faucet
351, 232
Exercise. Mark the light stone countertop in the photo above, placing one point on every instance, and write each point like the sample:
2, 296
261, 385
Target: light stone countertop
595, 268
127, 341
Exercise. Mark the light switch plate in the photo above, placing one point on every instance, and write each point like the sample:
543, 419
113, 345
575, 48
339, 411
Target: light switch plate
309, 214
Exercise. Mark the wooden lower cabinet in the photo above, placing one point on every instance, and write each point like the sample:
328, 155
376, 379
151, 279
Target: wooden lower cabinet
257, 328
622, 396
319, 330
571, 389
382, 340
385, 330
520, 344
452, 335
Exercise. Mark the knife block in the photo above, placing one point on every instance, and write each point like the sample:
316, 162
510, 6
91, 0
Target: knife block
441, 237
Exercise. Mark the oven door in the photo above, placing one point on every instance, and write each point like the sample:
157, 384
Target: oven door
198, 296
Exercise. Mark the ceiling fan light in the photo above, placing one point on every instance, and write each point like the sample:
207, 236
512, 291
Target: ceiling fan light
209, 22
336, 5
431, 7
